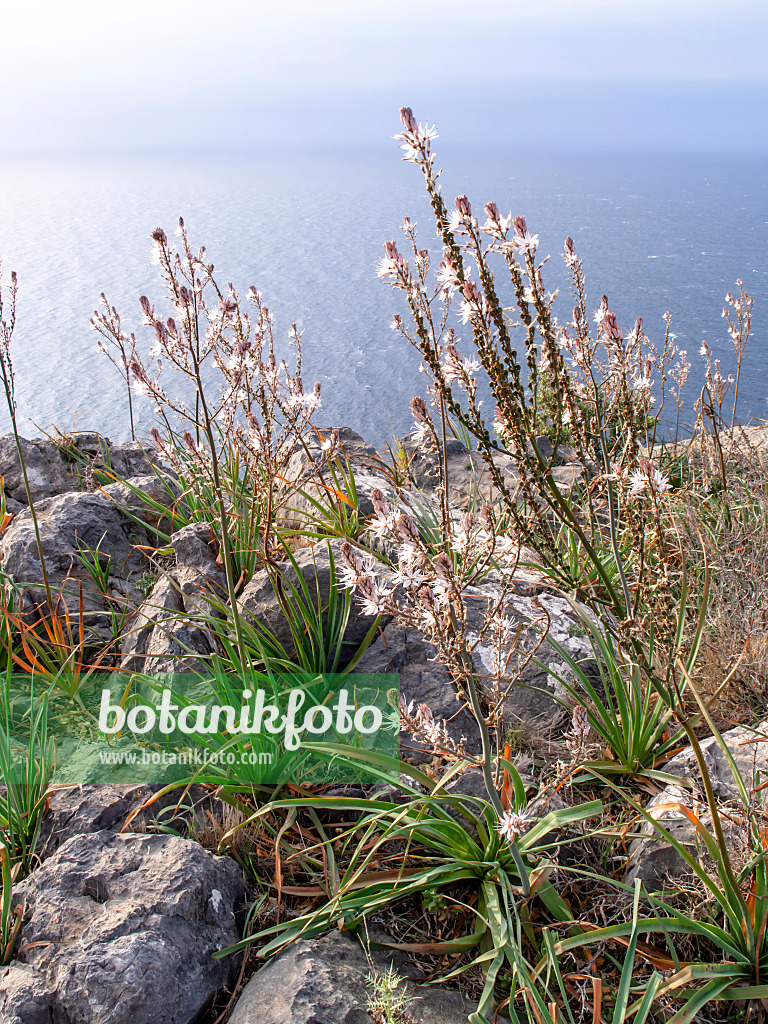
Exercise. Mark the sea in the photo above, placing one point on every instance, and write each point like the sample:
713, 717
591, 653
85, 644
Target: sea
657, 232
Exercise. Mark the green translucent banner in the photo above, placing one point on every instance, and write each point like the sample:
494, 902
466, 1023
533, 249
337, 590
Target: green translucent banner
263, 729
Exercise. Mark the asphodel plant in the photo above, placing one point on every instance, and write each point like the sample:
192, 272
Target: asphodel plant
10, 919
436, 842
736, 924
552, 383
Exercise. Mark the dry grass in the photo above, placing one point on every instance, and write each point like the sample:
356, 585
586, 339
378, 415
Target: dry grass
732, 522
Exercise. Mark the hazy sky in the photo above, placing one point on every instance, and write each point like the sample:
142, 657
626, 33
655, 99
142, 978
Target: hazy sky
148, 75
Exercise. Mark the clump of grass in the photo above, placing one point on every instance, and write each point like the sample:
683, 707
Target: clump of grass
26, 774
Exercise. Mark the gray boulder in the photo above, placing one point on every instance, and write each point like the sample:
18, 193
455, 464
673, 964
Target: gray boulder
121, 929
532, 705
651, 857
195, 548
26, 997
129, 459
469, 479
423, 681
131, 492
58, 468
70, 523
80, 810
170, 634
84, 809
47, 470
164, 638
533, 702
323, 980
104, 459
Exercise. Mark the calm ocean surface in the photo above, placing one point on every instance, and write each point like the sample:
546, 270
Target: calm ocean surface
656, 233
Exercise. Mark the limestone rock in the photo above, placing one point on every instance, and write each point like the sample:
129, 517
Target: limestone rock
163, 638
84, 809
651, 858
80, 810
47, 469
532, 705
70, 523
323, 979
423, 681
160, 488
310, 473
121, 929
469, 478
169, 634
25, 996
195, 548
129, 459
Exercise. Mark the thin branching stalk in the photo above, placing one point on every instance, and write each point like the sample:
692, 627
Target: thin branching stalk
6, 369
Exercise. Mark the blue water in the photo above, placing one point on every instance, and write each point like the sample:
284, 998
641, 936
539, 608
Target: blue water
656, 234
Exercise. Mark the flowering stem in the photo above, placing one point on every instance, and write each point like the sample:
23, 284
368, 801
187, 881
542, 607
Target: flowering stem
225, 541
444, 474
130, 399
490, 785
612, 524
477, 712
736, 393
709, 408
8, 386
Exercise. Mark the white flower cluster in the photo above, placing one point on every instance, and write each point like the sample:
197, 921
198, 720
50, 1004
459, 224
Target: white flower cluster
647, 479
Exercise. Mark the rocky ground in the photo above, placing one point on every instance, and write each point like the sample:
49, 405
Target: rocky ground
121, 926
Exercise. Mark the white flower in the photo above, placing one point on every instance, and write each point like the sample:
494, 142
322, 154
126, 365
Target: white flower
384, 523
639, 482
455, 222
468, 311
648, 478
346, 577
372, 596
513, 824
526, 243
497, 229
416, 142
386, 267
659, 483
407, 576
305, 400
420, 432
408, 555
432, 730
141, 387
504, 627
